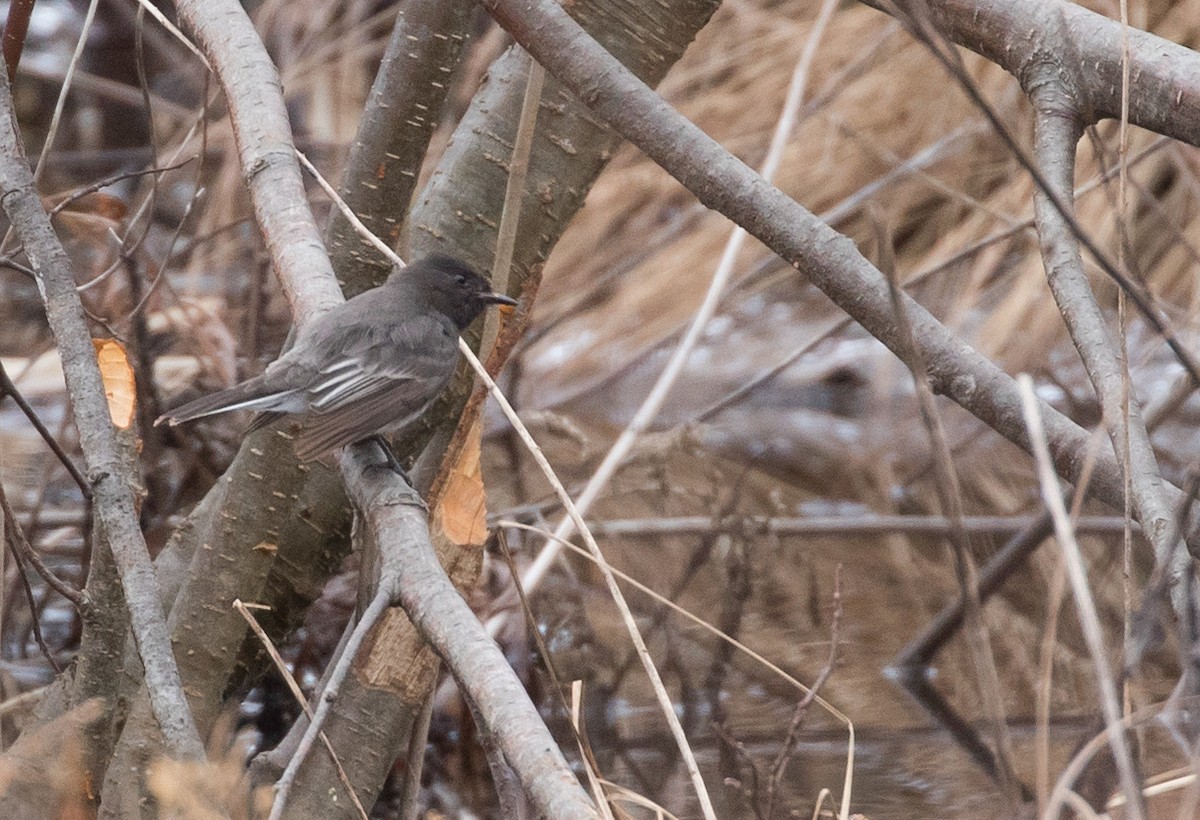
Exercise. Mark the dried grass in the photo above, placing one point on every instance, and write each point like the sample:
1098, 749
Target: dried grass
630, 270
840, 425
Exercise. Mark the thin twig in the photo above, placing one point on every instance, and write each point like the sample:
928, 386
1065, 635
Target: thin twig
25, 700
168, 255
1062, 787
514, 190
518, 168
34, 618
585, 751
8, 388
157, 14
1055, 596
24, 270
61, 103
949, 494
750, 767
341, 669
653, 402
790, 742
850, 526
666, 705
1126, 391
1085, 606
21, 546
510, 802
285, 673
698, 558
352, 217
539, 639
79, 193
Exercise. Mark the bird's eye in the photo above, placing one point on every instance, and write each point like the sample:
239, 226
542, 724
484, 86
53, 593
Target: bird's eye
462, 280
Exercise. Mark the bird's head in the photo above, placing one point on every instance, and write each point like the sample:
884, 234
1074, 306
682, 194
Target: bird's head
449, 286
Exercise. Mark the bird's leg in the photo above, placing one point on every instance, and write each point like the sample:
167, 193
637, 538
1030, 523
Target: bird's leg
392, 463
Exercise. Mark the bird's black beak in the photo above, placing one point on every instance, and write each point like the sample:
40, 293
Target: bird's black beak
497, 299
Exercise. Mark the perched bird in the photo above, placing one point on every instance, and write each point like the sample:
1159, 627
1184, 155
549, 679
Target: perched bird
372, 364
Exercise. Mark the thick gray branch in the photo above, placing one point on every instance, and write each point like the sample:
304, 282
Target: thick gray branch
831, 261
111, 483
1056, 133
441, 616
460, 208
265, 151
1020, 35
402, 111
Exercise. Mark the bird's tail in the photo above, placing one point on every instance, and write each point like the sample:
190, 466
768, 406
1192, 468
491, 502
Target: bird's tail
252, 394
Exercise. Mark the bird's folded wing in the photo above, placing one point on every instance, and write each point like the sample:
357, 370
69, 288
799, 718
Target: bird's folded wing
343, 383
377, 404
382, 375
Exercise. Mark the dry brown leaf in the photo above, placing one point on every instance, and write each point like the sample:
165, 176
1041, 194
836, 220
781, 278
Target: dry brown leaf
119, 387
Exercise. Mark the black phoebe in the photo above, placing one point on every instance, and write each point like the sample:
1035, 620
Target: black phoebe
371, 364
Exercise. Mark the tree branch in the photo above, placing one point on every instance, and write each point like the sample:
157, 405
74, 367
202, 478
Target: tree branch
401, 114
1056, 133
1164, 77
266, 152
113, 496
418, 582
830, 261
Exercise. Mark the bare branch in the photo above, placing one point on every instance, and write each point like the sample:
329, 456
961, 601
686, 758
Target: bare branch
1042, 80
7, 388
949, 494
829, 260
282, 668
397, 522
107, 475
1056, 132
851, 526
1164, 87
402, 111
1085, 607
266, 151
20, 545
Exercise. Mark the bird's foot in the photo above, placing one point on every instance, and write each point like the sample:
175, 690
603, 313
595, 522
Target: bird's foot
393, 463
